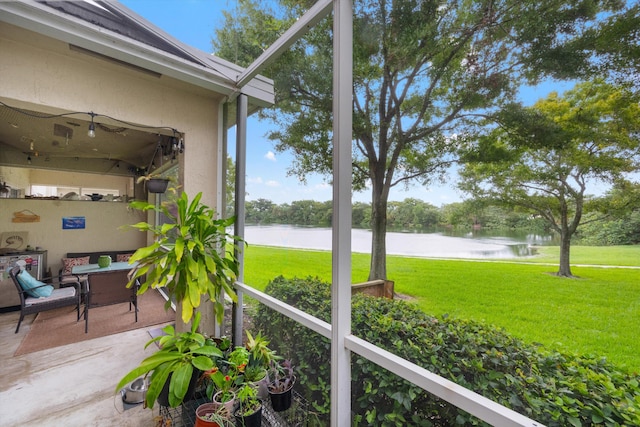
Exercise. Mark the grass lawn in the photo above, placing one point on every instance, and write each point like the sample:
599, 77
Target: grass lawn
598, 313
591, 255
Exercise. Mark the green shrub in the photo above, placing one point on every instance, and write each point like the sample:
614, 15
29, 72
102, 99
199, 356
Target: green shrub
552, 388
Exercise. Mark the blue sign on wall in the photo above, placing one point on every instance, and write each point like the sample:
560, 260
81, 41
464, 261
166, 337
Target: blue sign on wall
72, 222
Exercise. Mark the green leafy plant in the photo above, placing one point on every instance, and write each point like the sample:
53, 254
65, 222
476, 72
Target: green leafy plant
214, 414
260, 357
553, 388
253, 372
233, 370
150, 176
192, 255
215, 417
248, 402
259, 351
280, 376
179, 355
227, 375
221, 382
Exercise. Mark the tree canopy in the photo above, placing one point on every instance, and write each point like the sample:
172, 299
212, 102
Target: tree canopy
423, 70
546, 157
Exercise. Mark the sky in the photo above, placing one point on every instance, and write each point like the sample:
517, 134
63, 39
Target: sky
193, 22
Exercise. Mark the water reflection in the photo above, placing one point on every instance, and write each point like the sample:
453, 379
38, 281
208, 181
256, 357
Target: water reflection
447, 245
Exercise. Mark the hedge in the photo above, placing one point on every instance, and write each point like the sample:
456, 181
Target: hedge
552, 388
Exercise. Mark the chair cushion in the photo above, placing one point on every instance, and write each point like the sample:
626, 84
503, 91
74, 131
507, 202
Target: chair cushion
32, 286
69, 263
57, 294
74, 279
123, 257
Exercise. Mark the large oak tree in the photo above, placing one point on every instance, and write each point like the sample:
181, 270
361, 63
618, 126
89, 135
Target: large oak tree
545, 158
421, 68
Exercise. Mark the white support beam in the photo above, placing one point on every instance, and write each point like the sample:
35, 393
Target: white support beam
221, 184
239, 206
307, 21
341, 221
307, 320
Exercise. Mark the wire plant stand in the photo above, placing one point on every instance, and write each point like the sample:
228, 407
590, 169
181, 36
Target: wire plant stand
185, 414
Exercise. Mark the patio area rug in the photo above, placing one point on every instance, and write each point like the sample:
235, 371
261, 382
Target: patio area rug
59, 327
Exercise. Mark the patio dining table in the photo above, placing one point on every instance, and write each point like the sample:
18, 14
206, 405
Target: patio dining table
108, 285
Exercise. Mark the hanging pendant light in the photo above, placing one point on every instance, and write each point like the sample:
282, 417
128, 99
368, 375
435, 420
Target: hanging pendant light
92, 127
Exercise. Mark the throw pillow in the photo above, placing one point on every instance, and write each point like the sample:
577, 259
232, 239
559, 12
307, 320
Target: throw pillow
69, 263
31, 285
123, 257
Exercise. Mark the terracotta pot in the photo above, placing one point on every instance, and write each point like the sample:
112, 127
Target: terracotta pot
204, 409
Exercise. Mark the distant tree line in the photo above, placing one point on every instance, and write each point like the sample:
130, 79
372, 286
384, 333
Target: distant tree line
417, 215
409, 214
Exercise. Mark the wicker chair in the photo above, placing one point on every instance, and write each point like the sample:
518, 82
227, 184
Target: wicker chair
70, 295
110, 287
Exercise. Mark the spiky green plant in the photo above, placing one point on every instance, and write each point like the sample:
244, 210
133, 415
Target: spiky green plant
192, 255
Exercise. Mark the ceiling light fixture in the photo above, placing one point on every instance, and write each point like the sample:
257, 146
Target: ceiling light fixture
92, 126
175, 144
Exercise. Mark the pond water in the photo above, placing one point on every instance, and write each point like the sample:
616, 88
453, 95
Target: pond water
475, 244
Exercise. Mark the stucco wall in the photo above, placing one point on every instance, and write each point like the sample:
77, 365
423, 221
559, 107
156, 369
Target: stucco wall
46, 75
43, 74
103, 221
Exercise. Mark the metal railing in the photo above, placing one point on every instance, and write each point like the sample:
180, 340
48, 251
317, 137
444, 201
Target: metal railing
463, 398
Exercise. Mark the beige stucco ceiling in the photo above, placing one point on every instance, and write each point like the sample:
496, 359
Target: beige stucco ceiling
62, 142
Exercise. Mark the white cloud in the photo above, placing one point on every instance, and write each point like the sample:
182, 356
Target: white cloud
322, 186
270, 156
272, 183
256, 180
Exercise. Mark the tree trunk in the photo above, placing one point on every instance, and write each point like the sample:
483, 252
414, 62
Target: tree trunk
378, 269
565, 251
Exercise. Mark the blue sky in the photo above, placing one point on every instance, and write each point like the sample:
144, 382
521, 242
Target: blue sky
193, 22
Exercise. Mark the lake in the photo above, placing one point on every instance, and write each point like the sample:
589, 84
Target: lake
475, 244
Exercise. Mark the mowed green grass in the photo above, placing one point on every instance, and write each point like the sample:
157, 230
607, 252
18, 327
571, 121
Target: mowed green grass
597, 313
591, 255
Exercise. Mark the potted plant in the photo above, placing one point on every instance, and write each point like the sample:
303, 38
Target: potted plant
212, 415
221, 385
259, 360
154, 183
192, 255
258, 348
228, 374
174, 366
281, 379
248, 412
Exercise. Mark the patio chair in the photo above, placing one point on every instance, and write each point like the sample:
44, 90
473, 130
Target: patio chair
32, 299
110, 287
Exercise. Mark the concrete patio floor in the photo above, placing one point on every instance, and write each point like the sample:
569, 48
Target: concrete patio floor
72, 385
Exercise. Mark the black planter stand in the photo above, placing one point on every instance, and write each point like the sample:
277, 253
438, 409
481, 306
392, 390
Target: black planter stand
185, 415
